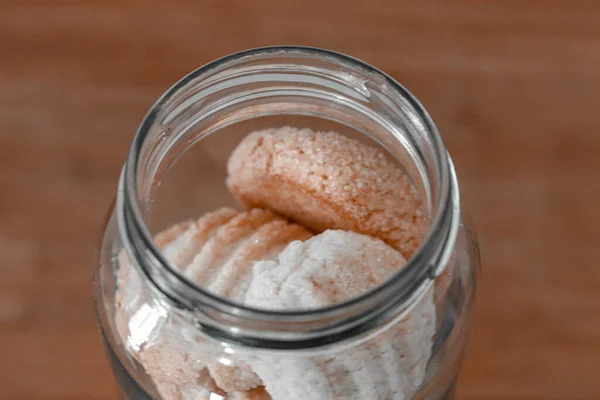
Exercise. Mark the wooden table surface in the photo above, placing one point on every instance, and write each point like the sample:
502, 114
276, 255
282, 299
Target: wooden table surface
513, 85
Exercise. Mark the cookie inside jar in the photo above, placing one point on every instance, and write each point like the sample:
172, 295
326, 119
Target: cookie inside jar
303, 218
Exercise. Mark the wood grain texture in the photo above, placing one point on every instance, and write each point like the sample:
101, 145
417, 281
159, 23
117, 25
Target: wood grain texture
513, 85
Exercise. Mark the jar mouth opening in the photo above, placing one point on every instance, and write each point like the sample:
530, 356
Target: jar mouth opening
423, 264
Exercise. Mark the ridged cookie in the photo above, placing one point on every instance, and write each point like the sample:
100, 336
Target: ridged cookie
331, 267
217, 252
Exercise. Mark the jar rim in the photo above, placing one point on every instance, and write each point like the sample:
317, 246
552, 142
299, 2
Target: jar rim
422, 266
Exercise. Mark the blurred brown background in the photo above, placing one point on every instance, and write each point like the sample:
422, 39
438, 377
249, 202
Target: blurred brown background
514, 87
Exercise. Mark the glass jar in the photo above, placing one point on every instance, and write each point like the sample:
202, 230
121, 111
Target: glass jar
164, 335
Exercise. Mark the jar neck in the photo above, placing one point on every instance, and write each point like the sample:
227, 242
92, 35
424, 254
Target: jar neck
289, 81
